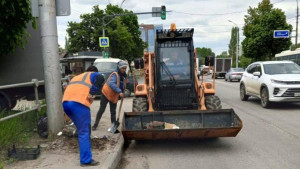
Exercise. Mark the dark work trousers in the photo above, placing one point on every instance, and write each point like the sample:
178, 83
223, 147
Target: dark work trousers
103, 104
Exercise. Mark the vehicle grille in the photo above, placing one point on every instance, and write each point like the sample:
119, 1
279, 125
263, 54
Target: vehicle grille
292, 82
291, 92
175, 97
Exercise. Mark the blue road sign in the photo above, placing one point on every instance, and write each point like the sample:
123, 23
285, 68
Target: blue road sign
281, 33
104, 42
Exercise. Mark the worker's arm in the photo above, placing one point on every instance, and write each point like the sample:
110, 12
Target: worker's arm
113, 84
97, 81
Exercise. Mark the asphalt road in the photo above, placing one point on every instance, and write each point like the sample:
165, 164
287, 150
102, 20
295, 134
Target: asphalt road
270, 139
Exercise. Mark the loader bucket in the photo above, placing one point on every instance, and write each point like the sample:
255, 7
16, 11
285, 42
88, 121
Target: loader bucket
193, 124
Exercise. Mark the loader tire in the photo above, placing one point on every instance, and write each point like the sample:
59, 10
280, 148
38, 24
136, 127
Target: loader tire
212, 102
139, 104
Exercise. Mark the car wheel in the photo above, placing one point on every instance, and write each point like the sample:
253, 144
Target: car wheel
225, 79
127, 93
243, 95
230, 80
264, 98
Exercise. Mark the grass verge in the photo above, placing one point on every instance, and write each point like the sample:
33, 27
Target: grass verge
17, 130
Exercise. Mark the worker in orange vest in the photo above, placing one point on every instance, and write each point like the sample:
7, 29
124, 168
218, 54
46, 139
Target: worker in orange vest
77, 100
112, 91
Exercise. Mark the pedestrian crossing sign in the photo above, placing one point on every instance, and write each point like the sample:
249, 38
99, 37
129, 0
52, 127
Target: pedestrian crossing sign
104, 42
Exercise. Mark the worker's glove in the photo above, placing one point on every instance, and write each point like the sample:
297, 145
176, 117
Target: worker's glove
91, 98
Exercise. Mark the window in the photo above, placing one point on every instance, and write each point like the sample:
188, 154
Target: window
251, 68
258, 69
281, 68
292, 58
238, 70
284, 58
175, 62
106, 66
298, 59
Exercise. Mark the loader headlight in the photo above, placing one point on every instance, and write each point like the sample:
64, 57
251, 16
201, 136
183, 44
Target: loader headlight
208, 85
140, 88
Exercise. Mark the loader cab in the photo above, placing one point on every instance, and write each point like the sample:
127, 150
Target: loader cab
174, 67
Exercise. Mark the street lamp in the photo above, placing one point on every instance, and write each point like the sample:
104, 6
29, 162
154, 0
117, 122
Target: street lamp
237, 45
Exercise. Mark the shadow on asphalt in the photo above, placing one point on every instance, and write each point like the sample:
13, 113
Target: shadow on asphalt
211, 144
277, 105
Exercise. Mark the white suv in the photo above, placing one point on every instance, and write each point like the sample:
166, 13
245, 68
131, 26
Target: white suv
271, 81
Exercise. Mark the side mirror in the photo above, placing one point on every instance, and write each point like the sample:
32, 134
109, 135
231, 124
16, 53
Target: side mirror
209, 61
256, 73
139, 63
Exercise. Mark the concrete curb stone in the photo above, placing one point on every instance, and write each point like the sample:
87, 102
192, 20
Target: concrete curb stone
114, 158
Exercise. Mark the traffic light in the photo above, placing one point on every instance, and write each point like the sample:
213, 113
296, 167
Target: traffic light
163, 12
106, 55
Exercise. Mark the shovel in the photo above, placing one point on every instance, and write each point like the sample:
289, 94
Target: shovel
116, 124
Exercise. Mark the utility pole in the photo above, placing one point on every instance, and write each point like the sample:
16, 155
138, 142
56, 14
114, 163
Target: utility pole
51, 65
297, 17
237, 45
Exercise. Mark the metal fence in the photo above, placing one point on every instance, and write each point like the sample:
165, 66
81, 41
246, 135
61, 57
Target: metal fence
35, 84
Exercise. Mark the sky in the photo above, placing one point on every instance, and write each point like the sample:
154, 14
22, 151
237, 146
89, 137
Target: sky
209, 18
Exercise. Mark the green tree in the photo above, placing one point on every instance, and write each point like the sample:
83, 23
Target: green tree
232, 44
14, 17
294, 47
260, 24
204, 52
224, 54
243, 62
123, 33
61, 51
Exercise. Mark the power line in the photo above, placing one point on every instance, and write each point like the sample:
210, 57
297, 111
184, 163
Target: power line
209, 14
201, 26
214, 14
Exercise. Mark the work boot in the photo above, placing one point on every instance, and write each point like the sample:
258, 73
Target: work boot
92, 163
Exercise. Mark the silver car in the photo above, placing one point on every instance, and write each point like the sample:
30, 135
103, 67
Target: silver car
234, 74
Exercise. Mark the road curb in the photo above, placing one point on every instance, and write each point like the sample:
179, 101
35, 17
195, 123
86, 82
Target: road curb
114, 158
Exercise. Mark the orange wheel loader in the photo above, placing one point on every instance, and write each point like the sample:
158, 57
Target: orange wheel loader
173, 103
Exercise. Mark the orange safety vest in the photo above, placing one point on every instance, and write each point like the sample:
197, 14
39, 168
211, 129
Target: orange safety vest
78, 89
109, 93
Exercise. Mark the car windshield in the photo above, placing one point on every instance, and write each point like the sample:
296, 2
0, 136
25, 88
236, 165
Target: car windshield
281, 68
106, 66
238, 70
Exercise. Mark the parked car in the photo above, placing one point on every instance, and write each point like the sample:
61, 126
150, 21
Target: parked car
234, 74
271, 81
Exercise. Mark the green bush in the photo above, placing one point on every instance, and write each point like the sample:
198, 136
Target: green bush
17, 130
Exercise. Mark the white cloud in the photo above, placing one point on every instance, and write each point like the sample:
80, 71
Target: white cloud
211, 31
